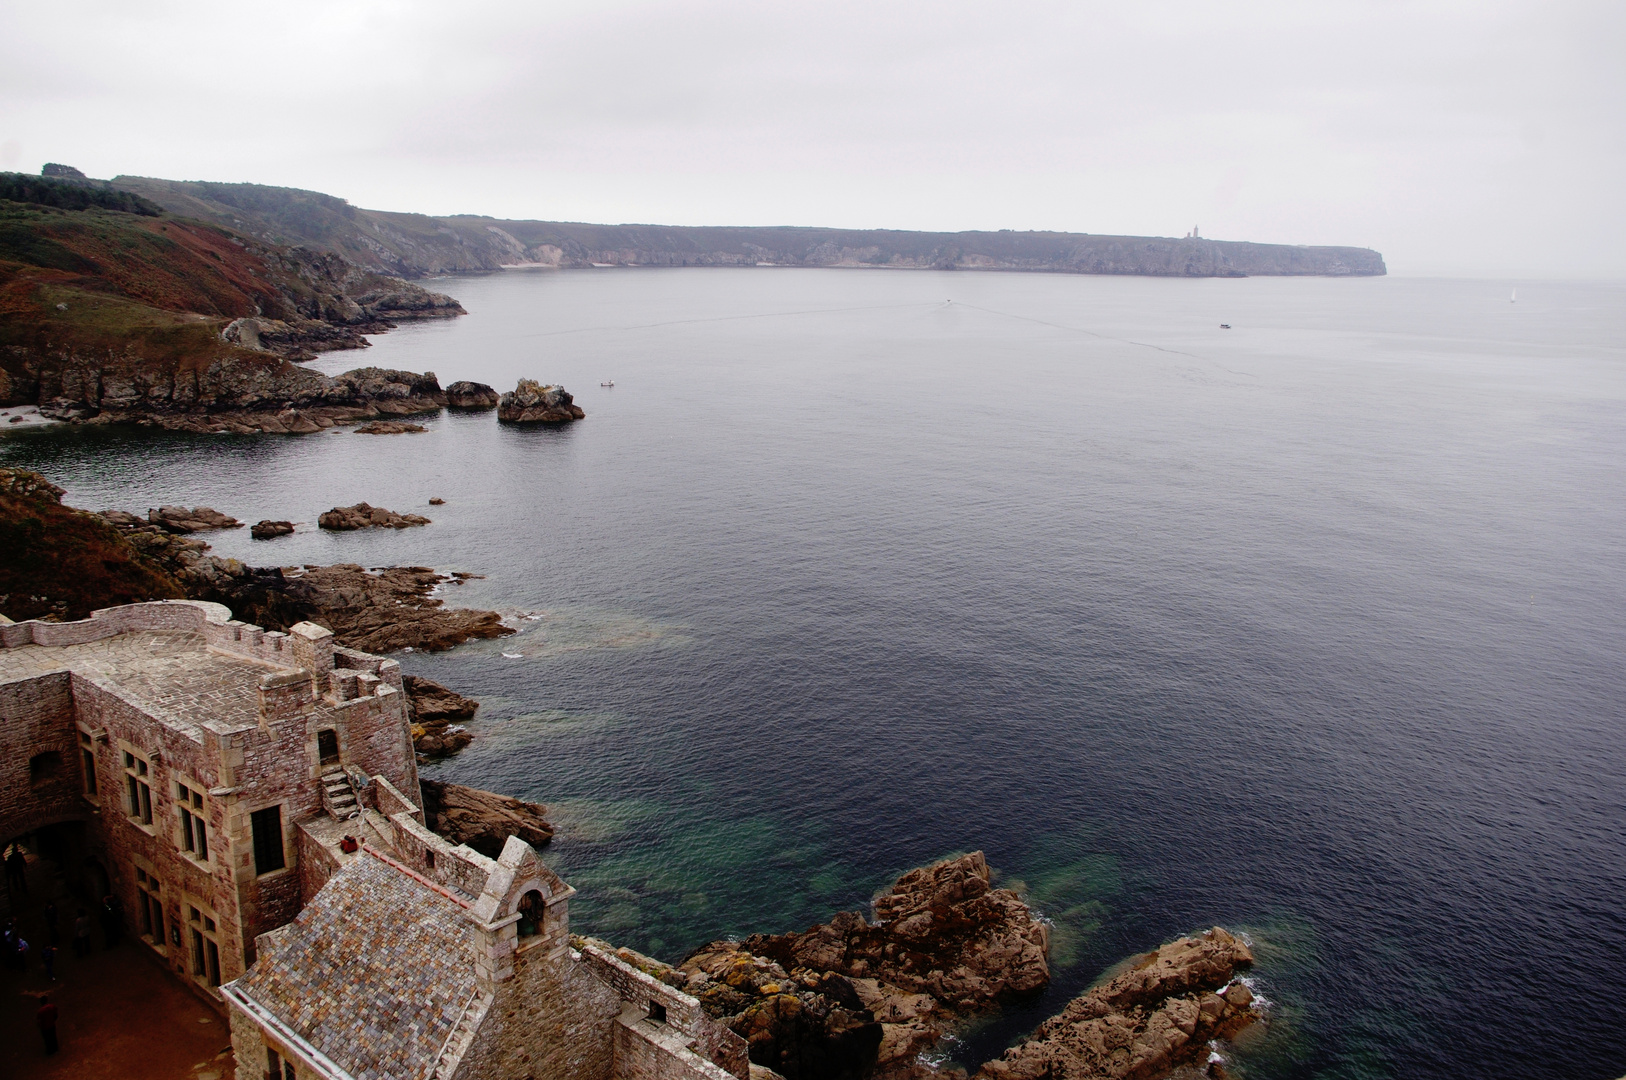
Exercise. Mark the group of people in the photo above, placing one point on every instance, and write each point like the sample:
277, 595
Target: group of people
16, 951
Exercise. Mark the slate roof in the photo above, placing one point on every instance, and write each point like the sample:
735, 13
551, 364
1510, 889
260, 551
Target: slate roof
374, 973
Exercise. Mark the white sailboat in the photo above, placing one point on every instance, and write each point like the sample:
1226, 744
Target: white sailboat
1514, 299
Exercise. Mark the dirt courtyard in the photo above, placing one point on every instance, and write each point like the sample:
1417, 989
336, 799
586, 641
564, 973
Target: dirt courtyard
122, 1015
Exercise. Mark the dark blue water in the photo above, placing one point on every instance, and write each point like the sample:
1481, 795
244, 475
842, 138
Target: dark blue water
1312, 628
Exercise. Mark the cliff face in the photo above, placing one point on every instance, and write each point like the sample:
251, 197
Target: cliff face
110, 306
415, 245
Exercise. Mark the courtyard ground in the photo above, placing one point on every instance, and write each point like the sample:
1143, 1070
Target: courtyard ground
122, 1015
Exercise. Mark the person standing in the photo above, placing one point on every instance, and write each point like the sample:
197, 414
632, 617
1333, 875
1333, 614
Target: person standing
17, 869
81, 934
48, 958
112, 919
46, 1019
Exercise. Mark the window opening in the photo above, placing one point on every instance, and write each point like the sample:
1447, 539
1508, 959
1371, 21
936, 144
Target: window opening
531, 909
45, 766
194, 815
657, 1012
278, 1067
205, 947
327, 746
267, 826
87, 757
136, 782
150, 906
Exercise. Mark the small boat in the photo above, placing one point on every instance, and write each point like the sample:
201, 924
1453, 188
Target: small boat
1225, 326
1514, 299
610, 383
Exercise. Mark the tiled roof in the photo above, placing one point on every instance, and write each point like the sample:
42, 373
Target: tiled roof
374, 973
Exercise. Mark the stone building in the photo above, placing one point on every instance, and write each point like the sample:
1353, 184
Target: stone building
251, 798
167, 755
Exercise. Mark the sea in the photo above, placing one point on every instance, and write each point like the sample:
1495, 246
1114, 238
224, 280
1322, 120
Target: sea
1311, 627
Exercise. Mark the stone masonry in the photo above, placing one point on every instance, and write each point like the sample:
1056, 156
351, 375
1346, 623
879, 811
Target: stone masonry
252, 798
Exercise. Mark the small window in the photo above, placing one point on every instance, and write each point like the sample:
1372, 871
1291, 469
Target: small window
205, 949
193, 813
657, 1012
267, 825
137, 788
531, 911
278, 1067
429, 859
44, 767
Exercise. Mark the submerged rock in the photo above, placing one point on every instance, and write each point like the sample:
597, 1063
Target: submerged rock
389, 427
265, 530
471, 395
483, 820
532, 403
365, 516
178, 519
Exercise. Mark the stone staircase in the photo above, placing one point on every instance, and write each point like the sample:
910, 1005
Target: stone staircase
457, 1043
338, 796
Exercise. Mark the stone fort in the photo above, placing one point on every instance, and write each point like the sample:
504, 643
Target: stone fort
251, 798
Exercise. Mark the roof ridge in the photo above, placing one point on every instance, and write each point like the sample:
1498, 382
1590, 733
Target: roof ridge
419, 878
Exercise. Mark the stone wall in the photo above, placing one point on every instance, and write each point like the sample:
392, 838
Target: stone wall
646, 1049
36, 718
683, 1013
553, 1019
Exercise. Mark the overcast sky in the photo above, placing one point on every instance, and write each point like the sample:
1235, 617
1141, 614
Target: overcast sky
1484, 138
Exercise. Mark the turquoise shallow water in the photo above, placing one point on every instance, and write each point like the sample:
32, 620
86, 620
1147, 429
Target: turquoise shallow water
1311, 627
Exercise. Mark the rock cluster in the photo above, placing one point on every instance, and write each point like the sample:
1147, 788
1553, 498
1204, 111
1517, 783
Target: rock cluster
471, 395
232, 394
437, 716
178, 519
1154, 1017
267, 529
946, 946
389, 427
377, 611
482, 819
365, 516
532, 403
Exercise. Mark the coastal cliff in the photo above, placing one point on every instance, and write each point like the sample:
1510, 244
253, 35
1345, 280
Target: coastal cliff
417, 245
111, 308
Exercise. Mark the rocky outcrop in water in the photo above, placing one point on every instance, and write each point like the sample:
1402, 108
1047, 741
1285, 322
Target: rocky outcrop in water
231, 394
1159, 1014
267, 529
471, 395
437, 716
378, 611
533, 403
389, 427
946, 946
483, 820
178, 519
366, 516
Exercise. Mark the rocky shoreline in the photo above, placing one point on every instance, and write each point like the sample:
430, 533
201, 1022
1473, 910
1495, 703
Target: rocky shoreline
856, 999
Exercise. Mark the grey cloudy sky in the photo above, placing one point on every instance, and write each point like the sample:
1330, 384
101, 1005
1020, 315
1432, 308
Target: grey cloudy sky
1484, 138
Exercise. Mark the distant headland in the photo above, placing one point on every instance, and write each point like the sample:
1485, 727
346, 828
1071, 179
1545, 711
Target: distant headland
417, 245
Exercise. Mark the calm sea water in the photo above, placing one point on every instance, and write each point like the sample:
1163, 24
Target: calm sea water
1312, 628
